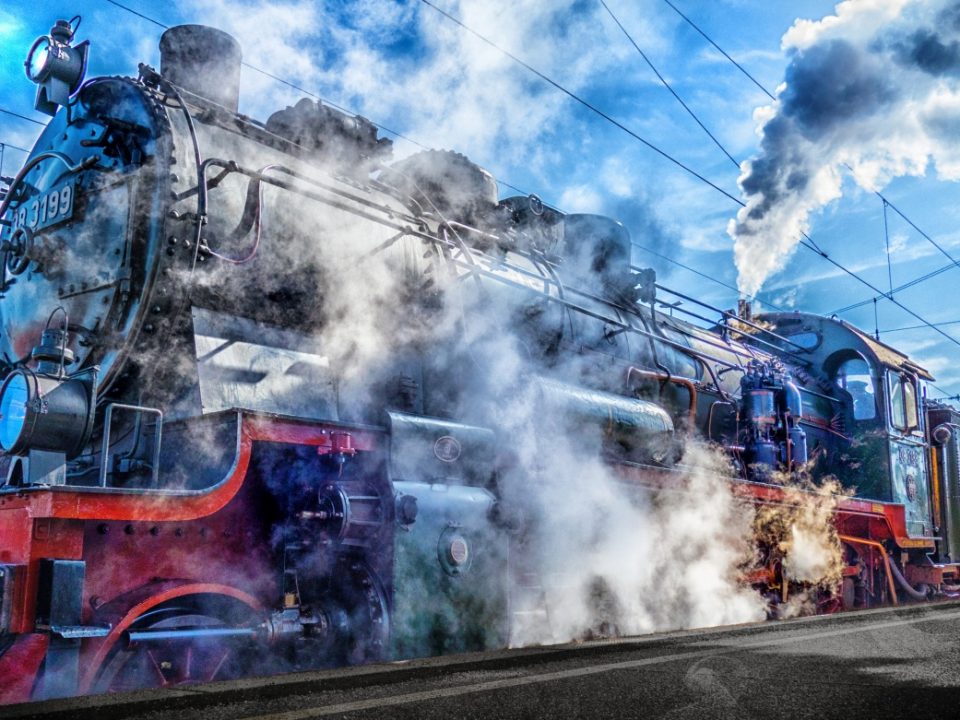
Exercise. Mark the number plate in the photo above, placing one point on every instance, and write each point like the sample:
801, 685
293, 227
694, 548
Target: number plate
50, 207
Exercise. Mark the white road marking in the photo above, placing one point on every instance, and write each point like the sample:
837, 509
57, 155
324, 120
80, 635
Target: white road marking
731, 647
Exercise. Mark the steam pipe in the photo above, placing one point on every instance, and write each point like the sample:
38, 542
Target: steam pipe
902, 582
683, 382
135, 636
883, 553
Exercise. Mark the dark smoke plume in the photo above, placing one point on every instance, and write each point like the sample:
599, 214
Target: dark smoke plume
873, 88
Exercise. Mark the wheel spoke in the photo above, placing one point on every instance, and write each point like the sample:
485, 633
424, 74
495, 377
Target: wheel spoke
222, 660
163, 678
189, 663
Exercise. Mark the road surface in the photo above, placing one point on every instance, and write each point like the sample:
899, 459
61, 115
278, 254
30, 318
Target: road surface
886, 663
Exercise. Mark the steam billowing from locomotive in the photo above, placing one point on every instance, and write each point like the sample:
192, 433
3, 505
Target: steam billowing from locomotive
873, 92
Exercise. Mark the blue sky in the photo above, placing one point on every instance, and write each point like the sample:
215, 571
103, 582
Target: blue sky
405, 66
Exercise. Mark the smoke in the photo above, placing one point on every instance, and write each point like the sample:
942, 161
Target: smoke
620, 559
800, 531
872, 88
604, 554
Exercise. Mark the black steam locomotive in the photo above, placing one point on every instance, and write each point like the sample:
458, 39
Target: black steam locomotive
266, 389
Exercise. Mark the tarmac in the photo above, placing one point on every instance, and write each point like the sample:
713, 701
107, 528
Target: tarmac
891, 662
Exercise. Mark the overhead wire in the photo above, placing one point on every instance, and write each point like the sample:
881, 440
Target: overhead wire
920, 327
22, 117
667, 85
585, 103
721, 50
14, 147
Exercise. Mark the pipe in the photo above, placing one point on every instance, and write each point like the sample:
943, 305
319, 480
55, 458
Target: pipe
902, 581
683, 382
886, 560
135, 636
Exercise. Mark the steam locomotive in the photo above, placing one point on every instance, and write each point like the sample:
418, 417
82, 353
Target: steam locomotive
271, 400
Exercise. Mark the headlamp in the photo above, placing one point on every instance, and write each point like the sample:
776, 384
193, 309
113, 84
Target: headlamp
43, 409
56, 67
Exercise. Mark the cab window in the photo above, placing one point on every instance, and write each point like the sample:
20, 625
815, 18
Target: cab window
903, 403
854, 376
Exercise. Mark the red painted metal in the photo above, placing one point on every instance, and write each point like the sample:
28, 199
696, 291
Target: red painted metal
19, 666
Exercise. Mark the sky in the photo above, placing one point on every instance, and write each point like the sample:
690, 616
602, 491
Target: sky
867, 98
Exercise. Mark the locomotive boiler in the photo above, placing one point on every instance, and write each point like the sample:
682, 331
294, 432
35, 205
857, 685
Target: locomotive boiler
261, 392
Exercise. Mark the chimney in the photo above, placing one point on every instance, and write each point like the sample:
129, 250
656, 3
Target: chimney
744, 310
204, 61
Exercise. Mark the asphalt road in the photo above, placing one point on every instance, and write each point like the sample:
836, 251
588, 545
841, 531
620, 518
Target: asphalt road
878, 664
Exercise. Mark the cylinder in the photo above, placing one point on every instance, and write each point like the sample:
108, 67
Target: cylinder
204, 61
641, 428
761, 407
798, 441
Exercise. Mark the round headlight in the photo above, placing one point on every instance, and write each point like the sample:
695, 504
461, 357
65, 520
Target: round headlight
38, 60
42, 412
13, 410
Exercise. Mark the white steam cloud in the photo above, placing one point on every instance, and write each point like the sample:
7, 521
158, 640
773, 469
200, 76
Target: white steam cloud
874, 88
609, 556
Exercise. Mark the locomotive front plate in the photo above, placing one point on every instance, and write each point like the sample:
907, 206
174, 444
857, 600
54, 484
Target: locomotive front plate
49, 208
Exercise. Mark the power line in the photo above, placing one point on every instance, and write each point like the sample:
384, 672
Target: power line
920, 327
720, 49
14, 147
899, 288
22, 117
809, 243
593, 108
667, 85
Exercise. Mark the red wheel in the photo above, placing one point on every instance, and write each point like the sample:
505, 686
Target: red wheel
162, 663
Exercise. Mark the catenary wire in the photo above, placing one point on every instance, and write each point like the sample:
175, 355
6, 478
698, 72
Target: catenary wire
720, 50
14, 147
585, 103
666, 84
22, 117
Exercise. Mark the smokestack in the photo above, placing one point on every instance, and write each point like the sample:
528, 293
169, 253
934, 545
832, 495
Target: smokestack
744, 310
204, 61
